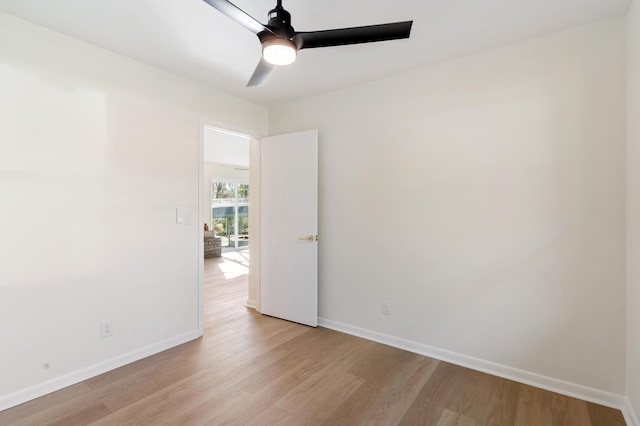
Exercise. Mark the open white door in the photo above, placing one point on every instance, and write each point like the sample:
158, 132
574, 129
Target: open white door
289, 227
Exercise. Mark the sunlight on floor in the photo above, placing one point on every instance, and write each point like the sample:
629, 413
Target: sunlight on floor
236, 263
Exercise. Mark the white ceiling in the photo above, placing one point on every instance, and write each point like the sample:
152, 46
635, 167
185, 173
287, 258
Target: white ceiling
189, 38
224, 147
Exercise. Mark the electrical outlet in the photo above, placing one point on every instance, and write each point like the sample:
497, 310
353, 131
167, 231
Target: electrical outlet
106, 329
386, 308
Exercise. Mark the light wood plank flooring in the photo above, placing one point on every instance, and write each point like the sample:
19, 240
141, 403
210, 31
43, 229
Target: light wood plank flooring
256, 370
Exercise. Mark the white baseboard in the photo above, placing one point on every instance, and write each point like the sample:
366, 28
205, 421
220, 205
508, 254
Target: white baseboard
630, 415
250, 303
549, 383
41, 389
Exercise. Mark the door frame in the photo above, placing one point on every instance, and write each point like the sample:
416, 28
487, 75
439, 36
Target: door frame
253, 300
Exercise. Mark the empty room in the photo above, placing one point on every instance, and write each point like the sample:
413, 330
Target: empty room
436, 219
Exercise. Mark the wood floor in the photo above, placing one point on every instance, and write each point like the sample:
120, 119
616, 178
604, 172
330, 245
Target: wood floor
256, 370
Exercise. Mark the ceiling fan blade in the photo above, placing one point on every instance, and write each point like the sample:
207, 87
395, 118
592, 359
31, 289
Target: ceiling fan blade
260, 74
238, 15
354, 35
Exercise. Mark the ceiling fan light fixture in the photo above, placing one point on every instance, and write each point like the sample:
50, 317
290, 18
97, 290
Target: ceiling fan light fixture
279, 51
281, 42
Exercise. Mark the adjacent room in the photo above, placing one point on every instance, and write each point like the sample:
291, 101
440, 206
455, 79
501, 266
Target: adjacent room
474, 210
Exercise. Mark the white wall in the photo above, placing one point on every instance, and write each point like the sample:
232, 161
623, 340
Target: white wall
633, 208
96, 153
485, 199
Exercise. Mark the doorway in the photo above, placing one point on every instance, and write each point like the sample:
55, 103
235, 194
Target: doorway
253, 152
225, 157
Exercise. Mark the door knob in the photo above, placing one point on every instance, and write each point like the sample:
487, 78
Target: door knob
307, 238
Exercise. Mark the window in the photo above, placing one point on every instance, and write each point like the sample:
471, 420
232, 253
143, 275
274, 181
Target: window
230, 213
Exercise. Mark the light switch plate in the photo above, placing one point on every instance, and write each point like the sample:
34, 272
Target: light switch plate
179, 216
187, 217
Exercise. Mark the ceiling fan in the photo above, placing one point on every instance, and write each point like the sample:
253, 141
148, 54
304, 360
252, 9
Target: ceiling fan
280, 42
